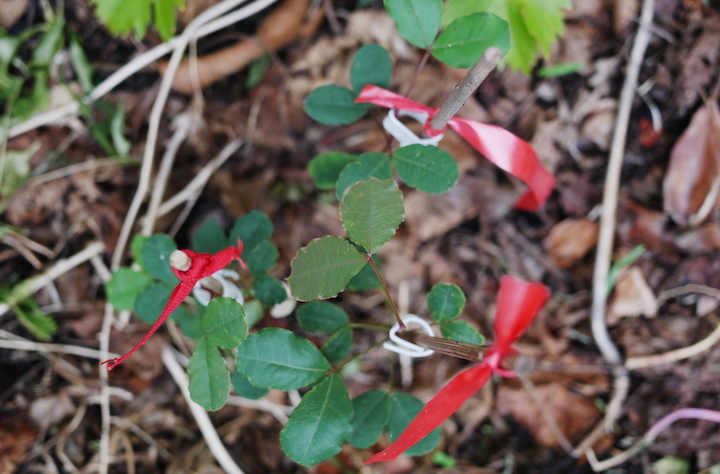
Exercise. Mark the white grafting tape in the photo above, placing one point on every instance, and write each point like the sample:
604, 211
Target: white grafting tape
230, 290
404, 135
401, 346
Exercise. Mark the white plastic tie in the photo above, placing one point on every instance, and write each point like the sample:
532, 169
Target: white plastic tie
230, 290
401, 346
404, 135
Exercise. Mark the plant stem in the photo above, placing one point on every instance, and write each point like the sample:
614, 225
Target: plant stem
342, 364
475, 76
419, 69
368, 257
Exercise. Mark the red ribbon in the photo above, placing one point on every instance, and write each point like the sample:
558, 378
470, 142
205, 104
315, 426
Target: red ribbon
203, 265
501, 147
518, 304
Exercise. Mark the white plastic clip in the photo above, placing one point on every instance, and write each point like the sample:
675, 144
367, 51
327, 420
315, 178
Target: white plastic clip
404, 135
407, 348
229, 289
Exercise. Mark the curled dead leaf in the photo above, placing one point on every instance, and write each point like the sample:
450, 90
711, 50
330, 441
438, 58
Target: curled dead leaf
570, 240
693, 175
633, 297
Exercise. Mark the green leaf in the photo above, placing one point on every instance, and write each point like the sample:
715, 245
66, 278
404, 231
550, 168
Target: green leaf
544, 20
465, 40
323, 268
81, 65
156, 257
366, 279
244, 388
319, 424
261, 257
190, 324
209, 238
209, 376
16, 168
446, 301
30, 315
269, 290
326, 167
417, 21
136, 244
256, 71
254, 312
117, 128
50, 43
454, 9
165, 17
338, 346
151, 302
124, 287
334, 105
123, 17
371, 65
371, 415
277, 358
558, 70
252, 228
621, 264
427, 168
322, 316
224, 322
461, 331
403, 408
371, 212
368, 165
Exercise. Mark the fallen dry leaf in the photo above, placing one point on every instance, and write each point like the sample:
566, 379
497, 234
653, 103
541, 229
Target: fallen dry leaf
694, 167
633, 297
699, 66
575, 414
11, 11
428, 216
624, 12
569, 241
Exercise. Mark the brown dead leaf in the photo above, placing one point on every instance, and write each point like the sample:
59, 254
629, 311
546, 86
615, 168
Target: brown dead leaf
428, 216
574, 414
11, 11
598, 129
694, 167
699, 67
624, 12
17, 436
569, 241
633, 297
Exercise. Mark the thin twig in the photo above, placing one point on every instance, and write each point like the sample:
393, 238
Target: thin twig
178, 138
600, 332
641, 362
201, 417
16, 343
687, 289
28, 287
280, 412
475, 76
652, 433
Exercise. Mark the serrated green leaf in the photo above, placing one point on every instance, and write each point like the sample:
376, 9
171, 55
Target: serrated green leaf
244, 388
427, 168
252, 228
209, 376
334, 105
261, 257
417, 21
209, 238
151, 302
544, 20
277, 358
366, 279
123, 17
371, 415
371, 212
371, 65
368, 165
446, 301
269, 290
454, 9
41, 325
323, 268
124, 287
461, 331
224, 322
326, 167
465, 40
165, 18
523, 52
322, 316
338, 346
318, 426
403, 408
155, 255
